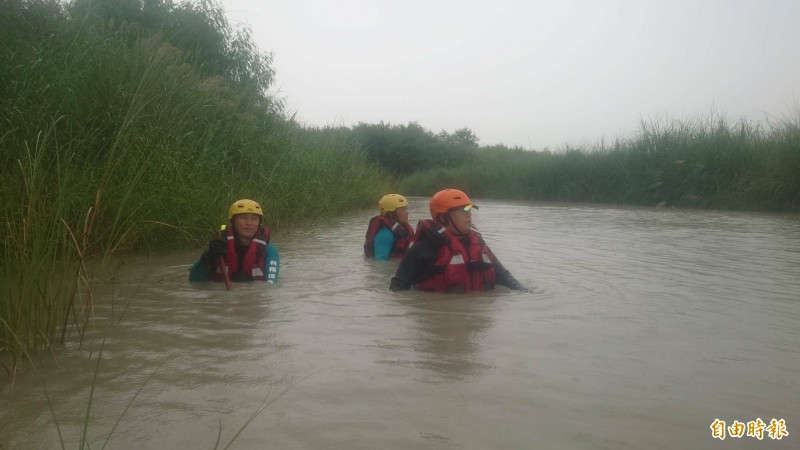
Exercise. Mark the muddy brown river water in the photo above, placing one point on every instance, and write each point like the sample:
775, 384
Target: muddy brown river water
642, 328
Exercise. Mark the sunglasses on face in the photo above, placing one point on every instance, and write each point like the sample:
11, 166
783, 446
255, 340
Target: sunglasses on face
467, 209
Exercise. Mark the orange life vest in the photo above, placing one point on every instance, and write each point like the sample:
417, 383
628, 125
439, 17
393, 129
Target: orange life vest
253, 262
402, 236
457, 268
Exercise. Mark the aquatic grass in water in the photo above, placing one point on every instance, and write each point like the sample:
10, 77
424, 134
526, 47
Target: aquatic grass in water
42, 273
114, 136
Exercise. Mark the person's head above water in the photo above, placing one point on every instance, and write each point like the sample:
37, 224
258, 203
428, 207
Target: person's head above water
453, 209
245, 217
394, 205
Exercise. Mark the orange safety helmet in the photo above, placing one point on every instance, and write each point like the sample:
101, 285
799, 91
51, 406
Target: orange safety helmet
447, 199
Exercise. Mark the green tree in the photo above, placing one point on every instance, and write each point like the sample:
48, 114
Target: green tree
462, 136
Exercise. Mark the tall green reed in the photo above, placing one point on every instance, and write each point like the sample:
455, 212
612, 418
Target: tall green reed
43, 276
706, 163
114, 136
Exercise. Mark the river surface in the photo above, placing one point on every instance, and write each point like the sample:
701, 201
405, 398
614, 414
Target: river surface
642, 327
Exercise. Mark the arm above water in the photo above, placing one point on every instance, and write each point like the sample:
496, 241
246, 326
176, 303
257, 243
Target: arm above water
272, 263
418, 260
383, 242
504, 278
201, 270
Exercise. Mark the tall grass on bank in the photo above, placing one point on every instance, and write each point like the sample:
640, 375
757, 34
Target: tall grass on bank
706, 163
112, 138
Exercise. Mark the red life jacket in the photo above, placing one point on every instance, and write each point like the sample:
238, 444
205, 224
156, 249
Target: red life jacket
402, 236
457, 269
253, 262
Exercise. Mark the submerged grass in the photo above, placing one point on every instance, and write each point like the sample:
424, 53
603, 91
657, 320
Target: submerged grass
114, 136
706, 163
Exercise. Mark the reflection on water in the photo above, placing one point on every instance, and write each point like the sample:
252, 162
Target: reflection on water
644, 325
449, 331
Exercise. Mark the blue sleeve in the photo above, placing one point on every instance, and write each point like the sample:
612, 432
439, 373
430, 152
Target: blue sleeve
273, 264
384, 241
199, 270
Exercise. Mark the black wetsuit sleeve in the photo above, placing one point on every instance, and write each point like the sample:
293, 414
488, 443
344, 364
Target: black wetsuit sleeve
416, 265
504, 278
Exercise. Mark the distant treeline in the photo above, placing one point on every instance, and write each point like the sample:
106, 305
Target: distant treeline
703, 163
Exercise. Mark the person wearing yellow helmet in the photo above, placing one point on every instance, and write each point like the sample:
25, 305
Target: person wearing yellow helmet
240, 249
448, 255
389, 233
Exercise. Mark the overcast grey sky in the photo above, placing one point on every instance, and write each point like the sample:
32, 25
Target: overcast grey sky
529, 73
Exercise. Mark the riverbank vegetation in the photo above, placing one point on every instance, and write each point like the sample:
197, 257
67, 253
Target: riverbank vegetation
129, 125
705, 163
710, 162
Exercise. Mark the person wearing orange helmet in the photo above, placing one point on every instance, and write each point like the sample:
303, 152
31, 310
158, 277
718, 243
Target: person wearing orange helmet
240, 250
448, 255
389, 234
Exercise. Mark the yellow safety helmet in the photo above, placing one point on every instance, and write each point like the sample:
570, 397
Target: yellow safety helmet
391, 202
244, 206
